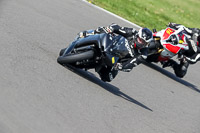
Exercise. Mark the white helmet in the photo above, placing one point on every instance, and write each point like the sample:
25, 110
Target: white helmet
145, 36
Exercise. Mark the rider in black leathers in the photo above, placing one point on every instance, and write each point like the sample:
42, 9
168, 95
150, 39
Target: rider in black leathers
138, 43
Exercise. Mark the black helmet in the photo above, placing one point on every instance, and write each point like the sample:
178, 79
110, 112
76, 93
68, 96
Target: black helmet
145, 35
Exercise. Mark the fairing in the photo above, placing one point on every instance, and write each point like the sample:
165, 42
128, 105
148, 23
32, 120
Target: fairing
169, 46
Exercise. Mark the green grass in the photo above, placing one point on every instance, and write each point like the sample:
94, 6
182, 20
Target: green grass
155, 13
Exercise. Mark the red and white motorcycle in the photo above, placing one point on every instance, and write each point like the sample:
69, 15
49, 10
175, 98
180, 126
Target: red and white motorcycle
169, 43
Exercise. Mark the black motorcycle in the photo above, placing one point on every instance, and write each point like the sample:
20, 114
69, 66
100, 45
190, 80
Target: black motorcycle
98, 51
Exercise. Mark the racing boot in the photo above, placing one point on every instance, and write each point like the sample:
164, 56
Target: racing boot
107, 75
193, 58
192, 47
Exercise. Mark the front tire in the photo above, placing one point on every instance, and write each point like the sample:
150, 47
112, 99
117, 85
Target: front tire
181, 69
73, 58
62, 51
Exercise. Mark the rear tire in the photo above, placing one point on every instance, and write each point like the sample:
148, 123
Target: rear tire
73, 58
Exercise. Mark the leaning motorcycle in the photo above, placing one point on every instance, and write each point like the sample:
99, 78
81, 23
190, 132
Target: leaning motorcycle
170, 43
96, 51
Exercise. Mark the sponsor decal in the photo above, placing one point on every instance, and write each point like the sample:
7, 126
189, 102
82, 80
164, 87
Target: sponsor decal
167, 33
113, 60
128, 47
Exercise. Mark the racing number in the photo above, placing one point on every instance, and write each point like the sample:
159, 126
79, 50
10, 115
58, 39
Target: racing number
169, 31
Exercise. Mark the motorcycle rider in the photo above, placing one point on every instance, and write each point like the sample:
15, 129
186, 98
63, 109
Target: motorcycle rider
192, 55
193, 42
138, 42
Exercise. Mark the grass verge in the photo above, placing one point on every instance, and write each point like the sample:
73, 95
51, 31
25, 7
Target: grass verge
155, 13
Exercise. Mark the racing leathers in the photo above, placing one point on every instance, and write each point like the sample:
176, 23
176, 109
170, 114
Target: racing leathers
193, 54
191, 37
136, 46
138, 51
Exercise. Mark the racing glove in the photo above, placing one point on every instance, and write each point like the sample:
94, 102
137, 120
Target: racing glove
177, 26
104, 30
82, 34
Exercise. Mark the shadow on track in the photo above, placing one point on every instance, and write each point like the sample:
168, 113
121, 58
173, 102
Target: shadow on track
112, 89
172, 76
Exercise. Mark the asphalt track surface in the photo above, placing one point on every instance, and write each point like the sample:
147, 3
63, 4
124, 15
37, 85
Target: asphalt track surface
37, 95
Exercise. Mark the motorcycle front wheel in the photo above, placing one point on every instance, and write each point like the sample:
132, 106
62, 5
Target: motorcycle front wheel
62, 51
75, 57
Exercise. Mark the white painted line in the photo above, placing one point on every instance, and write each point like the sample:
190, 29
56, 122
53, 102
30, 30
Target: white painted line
137, 26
